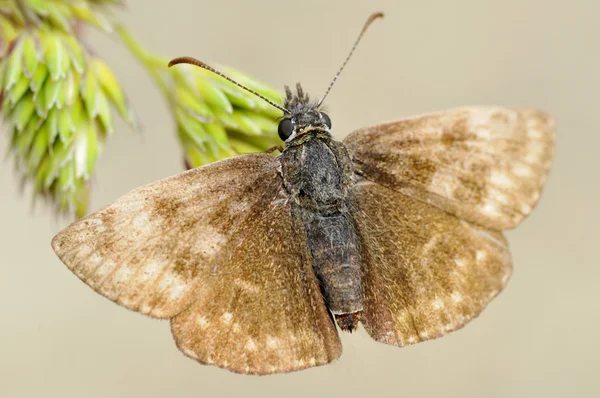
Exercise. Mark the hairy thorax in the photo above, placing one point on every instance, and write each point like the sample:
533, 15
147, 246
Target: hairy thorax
313, 176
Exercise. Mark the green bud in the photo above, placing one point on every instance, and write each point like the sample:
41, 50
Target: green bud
56, 103
217, 119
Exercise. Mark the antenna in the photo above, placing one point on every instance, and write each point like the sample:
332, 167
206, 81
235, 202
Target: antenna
196, 62
370, 20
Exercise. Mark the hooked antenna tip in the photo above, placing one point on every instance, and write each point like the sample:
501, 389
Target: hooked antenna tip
197, 62
369, 21
186, 60
374, 16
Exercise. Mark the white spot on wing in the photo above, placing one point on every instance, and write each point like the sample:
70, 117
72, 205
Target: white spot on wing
438, 303
177, 291
501, 179
273, 342
150, 271
142, 223
443, 184
166, 281
238, 208
491, 209
250, 345
202, 322
484, 133
174, 284
84, 251
457, 297
101, 267
501, 197
480, 117
145, 309
525, 208
480, 121
209, 240
364, 182
91, 222
535, 152
126, 302
226, 318
158, 312
521, 170
480, 255
190, 353
533, 132
122, 275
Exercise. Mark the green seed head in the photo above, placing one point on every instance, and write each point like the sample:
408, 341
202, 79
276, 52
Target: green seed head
57, 104
216, 119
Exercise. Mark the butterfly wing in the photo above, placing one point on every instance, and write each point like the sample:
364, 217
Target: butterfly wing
215, 243
486, 165
262, 311
150, 249
426, 272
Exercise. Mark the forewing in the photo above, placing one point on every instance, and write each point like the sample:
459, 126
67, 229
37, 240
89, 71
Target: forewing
152, 249
262, 311
486, 165
426, 272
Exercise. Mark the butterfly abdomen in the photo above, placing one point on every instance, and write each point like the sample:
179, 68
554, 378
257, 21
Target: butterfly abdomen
332, 243
314, 176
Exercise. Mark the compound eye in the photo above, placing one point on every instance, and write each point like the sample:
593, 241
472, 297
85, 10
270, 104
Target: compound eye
285, 129
326, 119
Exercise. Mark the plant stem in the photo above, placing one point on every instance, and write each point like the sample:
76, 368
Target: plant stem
151, 62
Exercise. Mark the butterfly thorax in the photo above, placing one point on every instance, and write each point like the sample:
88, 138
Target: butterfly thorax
313, 177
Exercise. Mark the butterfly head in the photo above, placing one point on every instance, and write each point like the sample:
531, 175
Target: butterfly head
302, 116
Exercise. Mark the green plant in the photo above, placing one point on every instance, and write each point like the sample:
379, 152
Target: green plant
58, 100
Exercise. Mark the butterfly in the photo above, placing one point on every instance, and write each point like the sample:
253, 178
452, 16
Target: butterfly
256, 258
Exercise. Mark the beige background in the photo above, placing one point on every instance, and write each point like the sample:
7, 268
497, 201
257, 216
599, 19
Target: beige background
537, 339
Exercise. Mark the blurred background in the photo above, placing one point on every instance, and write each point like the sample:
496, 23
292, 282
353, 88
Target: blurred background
539, 338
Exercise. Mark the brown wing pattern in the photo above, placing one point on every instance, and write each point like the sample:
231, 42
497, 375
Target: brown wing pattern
261, 311
426, 272
151, 249
214, 249
486, 165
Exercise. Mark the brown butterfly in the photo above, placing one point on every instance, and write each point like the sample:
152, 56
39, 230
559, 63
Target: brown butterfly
255, 258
